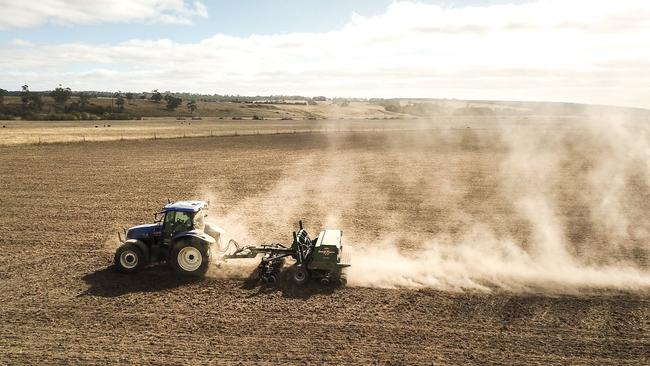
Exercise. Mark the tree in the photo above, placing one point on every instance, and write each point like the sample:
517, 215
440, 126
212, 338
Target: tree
3, 92
172, 102
191, 105
24, 96
61, 95
119, 102
84, 100
35, 102
156, 96
30, 100
129, 97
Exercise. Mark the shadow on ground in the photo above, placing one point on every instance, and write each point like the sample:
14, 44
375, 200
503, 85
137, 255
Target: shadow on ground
108, 282
285, 286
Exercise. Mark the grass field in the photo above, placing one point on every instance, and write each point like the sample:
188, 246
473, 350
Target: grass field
32, 132
400, 194
43, 132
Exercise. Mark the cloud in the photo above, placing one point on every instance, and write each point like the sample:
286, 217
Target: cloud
21, 43
23, 14
563, 50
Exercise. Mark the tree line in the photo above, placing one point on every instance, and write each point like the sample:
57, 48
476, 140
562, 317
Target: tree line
32, 104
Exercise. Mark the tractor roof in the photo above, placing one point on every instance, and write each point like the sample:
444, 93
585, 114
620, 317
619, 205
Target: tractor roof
185, 206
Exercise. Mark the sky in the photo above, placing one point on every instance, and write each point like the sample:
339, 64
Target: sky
595, 51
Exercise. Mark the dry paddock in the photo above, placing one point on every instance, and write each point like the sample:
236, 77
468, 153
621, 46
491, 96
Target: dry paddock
61, 303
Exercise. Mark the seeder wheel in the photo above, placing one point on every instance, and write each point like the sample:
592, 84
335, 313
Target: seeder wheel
300, 275
343, 278
269, 270
270, 279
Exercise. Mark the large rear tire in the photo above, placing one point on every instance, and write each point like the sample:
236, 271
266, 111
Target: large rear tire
300, 275
129, 258
190, 258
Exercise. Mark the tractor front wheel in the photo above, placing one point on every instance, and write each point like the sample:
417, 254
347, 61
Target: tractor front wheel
300, 275
190, 258
129, 258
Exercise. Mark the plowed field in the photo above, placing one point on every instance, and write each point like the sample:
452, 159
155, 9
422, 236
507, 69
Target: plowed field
62, 205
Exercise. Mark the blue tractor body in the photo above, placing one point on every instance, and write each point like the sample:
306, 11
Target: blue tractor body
179, 237
144, 232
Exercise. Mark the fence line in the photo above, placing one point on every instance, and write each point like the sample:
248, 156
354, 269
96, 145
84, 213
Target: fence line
157, 135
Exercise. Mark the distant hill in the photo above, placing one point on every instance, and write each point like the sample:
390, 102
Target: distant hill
104, 105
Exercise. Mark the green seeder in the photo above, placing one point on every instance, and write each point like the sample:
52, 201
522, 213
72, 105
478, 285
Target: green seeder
323, 258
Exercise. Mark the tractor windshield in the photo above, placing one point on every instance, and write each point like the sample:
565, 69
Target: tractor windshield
177, 221
199, 220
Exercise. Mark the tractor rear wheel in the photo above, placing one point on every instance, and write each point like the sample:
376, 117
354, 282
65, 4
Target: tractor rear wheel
190, 258
300, 275
129, 258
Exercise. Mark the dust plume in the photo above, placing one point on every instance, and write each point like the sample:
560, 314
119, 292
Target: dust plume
512, 204
483, 262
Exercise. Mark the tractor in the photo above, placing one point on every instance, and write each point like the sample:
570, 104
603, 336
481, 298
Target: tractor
179, 236
323, 258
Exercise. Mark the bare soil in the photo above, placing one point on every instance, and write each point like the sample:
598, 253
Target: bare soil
63, 304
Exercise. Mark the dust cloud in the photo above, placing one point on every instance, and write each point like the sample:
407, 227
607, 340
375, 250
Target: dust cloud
520, 206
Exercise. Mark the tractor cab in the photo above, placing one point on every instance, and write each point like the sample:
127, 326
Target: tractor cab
182, 216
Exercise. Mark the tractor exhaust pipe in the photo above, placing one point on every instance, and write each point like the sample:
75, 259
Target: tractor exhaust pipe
119, 236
